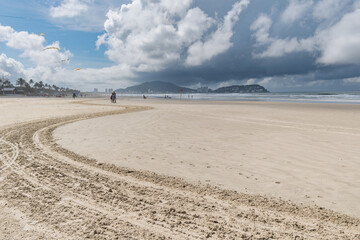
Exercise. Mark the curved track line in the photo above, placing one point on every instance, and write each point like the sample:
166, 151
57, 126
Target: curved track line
82, 198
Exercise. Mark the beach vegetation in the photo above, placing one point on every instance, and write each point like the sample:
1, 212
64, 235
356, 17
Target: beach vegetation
33, 88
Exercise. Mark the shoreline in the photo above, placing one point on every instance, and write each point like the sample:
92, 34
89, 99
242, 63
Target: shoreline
227, 98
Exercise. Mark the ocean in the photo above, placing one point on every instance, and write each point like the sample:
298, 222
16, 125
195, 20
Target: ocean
308, 97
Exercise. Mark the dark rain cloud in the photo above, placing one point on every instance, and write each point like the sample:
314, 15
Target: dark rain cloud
239, 63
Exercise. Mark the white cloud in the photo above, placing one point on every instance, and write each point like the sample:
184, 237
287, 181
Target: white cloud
115, 76
5, 33
32, 46
340, 44
219, 41
70, 8
325, 9
48, 67
276, 47
261, 26
194, 25
176, 7
337, 44
152, 35
250, 81
295, 10
357, 4
265, 81
9, 67
46, 62
280, 47
143, 34
22, 41
81, 15
352, 80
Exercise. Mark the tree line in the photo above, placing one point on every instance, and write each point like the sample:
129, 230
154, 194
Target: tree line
33, 88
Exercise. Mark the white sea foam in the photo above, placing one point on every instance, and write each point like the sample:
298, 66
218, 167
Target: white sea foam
311, 97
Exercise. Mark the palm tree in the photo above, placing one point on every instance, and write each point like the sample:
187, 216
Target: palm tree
27, 86
7, 83
31, 82
2, 80
20, 82
41, 84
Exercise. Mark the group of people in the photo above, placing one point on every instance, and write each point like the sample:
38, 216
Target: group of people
113, 97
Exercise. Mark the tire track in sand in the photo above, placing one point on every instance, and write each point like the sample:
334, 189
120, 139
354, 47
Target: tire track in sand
81, 198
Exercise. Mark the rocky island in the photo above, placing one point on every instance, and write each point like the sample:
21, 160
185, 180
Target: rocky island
166, 87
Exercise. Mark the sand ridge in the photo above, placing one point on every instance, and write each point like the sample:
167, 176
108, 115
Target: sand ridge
62, 195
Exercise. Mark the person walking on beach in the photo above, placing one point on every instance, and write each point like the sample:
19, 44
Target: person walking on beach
113, 97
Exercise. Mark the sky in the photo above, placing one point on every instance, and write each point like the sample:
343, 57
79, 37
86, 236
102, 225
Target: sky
285, 46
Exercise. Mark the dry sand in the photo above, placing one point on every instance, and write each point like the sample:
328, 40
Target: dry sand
308, 153
113, 171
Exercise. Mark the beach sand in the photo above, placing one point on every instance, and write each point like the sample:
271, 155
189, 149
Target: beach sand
149, 169
308, 153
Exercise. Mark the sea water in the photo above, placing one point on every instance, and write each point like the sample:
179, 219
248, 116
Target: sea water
310, 97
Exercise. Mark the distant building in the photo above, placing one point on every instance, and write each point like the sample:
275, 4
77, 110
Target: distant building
96, 90
8, 90
19, 90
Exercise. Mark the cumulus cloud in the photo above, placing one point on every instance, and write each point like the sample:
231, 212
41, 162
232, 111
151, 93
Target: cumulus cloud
261, 27
250, 81
152, 35
164, 39
81, 15
175, 7
280, 47
32, 46
194, 25
340, 44
70, 8
48, 67
276, 47
143, 34
22, 41
265, 81
296, 10
9, 67
219, 41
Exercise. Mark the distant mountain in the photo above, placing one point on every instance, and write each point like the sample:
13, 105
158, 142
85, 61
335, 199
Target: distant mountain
155, 87
166, 87
254, 88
